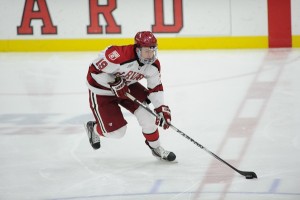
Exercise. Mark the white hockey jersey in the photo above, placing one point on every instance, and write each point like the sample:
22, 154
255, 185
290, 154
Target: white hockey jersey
123, 61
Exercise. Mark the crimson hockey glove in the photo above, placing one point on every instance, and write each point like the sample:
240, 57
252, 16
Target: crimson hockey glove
164, 116
119, 87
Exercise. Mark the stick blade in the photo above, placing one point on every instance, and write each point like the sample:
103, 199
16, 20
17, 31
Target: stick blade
248, 175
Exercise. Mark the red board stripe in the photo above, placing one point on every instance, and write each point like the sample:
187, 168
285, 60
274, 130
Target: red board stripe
279, 18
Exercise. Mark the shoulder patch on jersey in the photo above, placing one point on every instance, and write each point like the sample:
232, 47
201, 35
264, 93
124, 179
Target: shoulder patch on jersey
119, 54
113, 55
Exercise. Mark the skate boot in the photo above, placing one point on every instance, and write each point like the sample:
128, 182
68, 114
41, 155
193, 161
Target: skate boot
160, 153
94, 138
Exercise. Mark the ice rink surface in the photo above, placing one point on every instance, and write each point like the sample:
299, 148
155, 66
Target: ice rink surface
243, 105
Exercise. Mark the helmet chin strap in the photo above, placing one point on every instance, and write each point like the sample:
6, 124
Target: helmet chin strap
146, 61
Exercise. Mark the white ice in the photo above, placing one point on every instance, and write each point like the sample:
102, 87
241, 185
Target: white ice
243, 105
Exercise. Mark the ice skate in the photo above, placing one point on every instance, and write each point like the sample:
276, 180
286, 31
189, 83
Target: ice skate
94, 138
160, 153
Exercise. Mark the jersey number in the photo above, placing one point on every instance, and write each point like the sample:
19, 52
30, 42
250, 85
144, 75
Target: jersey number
101, 64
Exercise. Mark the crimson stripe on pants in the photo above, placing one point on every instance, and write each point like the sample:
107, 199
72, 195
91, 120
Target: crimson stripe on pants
96, 113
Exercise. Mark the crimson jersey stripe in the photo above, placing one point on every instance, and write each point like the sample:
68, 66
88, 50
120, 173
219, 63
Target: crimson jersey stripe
91, 81
157, 65
156, 89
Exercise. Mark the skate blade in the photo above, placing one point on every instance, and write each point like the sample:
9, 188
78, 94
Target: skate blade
166, 161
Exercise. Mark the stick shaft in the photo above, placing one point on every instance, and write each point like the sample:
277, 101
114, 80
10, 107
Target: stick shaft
244, 173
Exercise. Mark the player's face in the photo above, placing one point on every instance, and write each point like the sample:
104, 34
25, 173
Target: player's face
147, 55
148, 52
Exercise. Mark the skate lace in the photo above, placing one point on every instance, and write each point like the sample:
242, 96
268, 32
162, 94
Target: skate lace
161, 152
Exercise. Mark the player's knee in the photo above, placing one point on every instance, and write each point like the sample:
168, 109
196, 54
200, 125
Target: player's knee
119, 133
145, 120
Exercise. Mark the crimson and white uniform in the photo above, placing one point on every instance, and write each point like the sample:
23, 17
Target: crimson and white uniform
123, 61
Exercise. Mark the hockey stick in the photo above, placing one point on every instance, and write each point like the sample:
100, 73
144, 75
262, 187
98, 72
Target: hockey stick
247, 174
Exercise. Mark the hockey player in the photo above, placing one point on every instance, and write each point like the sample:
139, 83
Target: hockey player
116, 72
